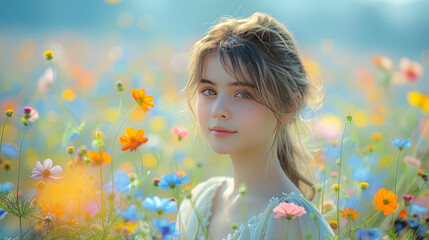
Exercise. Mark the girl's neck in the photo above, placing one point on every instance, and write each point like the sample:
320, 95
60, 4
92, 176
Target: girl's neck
263, 177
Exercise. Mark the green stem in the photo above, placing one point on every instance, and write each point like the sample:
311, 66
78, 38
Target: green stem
101, 187
394, 187
367, 221
339, 178
141, 163
61, 102
412, 202
113, 145
2, 131
19, 175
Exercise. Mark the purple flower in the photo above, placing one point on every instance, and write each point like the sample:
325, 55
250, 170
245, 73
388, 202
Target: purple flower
167, 230
46, 171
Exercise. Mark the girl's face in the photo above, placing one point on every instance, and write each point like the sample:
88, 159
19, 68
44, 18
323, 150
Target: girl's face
223, 102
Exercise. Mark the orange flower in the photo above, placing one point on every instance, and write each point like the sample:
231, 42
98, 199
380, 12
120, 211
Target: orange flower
376, 136
350, 214
333, 224
53, 209
403, 213
385, 201
145, 101
133, 139
95, 158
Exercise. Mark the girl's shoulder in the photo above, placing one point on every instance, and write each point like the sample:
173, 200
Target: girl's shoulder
208, 187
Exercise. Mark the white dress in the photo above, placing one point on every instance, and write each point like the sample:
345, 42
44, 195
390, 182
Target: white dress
311, 225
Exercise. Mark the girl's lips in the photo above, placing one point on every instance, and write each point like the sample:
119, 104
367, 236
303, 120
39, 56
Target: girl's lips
221, 133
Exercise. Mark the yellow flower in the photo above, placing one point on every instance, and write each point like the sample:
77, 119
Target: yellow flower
363, 185
145, 101
349, 213
333, 224
70, 149
418, 99
48, 55
336, 187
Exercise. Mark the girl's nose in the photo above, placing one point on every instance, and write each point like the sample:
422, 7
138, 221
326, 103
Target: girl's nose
220, 109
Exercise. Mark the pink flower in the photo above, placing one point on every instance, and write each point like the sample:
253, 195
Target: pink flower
34, 115
407, 198
46, 171
413, 162
46, 80
27, 109
410, 70
288, 210
181, 133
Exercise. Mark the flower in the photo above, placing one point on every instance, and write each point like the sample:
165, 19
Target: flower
48, 55
382, 62
403, 213
376, 136
2, 213
413, 162
410, 70
119, 86
9, 113
55, 210
34, 115
46, 171
70, 150
46, 80
363, 185
288, 210
95, 158
159, 205
400, 144
385, 201
349, 213
130, 214
171, 180
181, 133
6, 187
145, 102
336, 187
407, 198
333, 224
167, 230
133, 139
27, 111
328, 206
370, 234
418, 99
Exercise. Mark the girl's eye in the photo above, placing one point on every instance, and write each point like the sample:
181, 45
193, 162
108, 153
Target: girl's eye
245, 94
209, 91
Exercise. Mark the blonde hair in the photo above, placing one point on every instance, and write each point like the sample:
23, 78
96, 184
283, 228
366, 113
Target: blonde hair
262, 51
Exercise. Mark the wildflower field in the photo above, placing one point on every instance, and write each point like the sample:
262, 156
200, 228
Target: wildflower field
94, 143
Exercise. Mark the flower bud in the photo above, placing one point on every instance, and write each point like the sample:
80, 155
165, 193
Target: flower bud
70, 150
9, 112
48, 219
132, 176
25, 121
156, 181
333, 224
349, 118
119, 86
364, 185
425, 177
48, 55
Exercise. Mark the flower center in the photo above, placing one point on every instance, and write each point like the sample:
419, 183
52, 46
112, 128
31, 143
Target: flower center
132, 139
139, 102
386, 202
46, 173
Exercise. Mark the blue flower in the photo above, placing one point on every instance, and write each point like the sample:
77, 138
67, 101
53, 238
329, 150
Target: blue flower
10, 151
167, 230
397, 142
164, 205
417, 225
6, 187
171, 180
370, 234
130, 214
2, 213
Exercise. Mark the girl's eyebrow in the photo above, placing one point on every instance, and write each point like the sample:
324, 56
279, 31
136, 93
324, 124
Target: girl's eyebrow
234, 84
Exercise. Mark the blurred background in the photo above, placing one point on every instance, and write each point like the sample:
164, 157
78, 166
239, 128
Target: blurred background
351, 46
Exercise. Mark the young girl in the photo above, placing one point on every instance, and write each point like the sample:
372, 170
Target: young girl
249, 84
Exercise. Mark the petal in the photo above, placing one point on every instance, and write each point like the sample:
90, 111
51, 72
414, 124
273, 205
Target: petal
141, 93
134, 94
148, 99
407, 143
39, 166
123, 139
56, 170
47, 163
139, 133
125, 147
36, 175
130, 132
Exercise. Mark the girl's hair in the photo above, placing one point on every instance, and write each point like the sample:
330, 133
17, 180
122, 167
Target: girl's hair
262, 51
